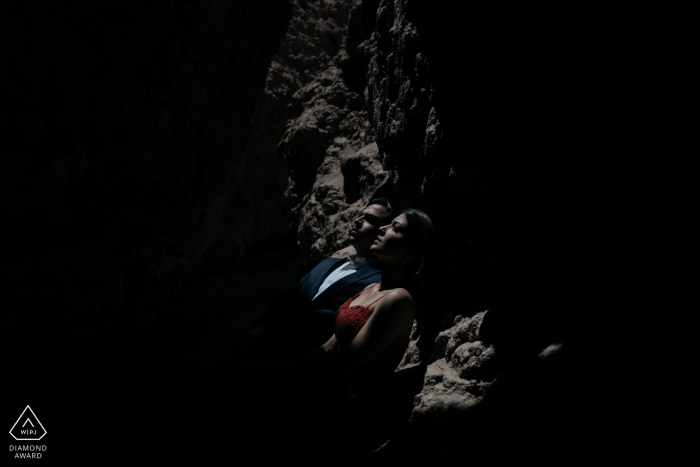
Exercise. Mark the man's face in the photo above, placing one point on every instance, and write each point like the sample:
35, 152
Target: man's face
365, 226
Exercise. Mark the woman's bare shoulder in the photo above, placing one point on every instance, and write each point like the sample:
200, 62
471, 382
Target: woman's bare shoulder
398, 298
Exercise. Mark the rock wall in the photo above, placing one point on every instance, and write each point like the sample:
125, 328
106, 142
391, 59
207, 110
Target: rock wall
329, 146
123, 182
312, 40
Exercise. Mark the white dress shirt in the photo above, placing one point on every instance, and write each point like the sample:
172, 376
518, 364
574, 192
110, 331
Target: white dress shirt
352, 264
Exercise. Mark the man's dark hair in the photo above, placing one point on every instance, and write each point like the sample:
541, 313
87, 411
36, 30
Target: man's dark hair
381, 200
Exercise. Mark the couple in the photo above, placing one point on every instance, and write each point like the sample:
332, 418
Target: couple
347, 324
352, 317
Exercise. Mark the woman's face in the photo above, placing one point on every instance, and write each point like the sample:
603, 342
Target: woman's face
391, 241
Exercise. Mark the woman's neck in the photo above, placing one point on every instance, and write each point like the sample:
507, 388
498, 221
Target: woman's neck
393, 276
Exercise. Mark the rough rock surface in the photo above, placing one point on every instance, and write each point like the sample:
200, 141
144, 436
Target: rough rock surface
463, 365
329, 145
313, 38
445, 390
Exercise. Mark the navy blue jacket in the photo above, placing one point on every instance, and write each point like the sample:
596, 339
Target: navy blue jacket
304, 323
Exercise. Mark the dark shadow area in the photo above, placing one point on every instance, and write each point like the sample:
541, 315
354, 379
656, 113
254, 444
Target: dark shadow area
121, 282
106, 392
351, 178
257, 410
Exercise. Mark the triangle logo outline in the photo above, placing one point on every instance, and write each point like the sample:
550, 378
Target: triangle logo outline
23, 416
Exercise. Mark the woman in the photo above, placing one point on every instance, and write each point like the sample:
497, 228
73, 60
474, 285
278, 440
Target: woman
373, 327
280, 412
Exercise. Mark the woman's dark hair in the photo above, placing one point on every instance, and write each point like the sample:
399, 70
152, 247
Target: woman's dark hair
420, 234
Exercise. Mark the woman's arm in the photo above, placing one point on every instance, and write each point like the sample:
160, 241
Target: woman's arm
390, 317
392, 314
326, 350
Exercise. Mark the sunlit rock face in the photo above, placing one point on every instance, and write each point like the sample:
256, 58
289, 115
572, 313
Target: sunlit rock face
329, 146
312, 149
128, 124
312, 40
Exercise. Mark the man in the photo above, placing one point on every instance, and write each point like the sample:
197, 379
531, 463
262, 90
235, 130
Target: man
304, 318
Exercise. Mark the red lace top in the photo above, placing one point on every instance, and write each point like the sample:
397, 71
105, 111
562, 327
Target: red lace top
375, 375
